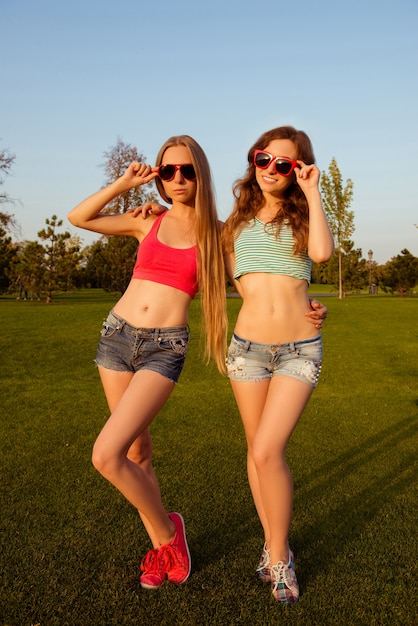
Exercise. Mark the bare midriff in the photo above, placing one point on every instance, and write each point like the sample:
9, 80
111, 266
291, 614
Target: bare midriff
273, 309
146, 304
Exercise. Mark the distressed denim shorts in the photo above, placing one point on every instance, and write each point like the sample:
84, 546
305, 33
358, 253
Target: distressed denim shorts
250, 361
124, 348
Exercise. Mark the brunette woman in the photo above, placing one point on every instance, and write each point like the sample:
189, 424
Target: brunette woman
277, 228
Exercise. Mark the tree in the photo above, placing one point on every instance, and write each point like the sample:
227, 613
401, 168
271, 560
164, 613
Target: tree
355, 270
6, 162
118, 158
60, 257
8, 252
110, 262
30, 268
400, 273
336, 201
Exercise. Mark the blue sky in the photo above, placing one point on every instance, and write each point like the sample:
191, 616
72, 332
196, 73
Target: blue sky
77, 76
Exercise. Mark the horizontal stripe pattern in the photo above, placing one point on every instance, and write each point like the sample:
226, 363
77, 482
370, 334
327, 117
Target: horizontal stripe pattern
257, 249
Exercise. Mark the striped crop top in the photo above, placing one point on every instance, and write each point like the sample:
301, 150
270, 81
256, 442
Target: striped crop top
175, 267
257, 249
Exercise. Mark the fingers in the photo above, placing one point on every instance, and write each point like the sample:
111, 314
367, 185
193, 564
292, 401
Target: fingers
147, 209
306, 172
144, 210
318, 309
314, 319
141, 172
318, 314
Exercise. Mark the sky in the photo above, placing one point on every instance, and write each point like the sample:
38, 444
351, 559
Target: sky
77, 76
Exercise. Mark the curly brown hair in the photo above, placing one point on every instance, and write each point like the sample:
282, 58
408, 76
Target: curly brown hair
249, 198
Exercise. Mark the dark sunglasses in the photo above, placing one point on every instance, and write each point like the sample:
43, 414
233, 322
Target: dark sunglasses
283, 165
167, 172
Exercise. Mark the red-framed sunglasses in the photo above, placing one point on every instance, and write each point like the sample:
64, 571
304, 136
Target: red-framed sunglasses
167, 172
283, 165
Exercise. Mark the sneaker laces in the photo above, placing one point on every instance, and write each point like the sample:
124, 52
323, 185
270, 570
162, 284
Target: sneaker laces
150, 562
265, 557
282, 574
171, 556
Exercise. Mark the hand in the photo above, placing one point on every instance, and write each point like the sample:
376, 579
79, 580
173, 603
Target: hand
139, 174
147, 209
318, 313
307, 176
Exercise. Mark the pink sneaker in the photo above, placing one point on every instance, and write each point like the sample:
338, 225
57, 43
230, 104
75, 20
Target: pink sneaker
176, 555
153, 568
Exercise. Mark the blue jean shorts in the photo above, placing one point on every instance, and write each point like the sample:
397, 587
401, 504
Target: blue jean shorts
249, 361
124, 348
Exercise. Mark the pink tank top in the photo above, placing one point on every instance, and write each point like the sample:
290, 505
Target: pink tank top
175, 267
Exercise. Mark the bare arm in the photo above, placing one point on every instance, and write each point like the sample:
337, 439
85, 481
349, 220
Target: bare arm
321, 241
87, 214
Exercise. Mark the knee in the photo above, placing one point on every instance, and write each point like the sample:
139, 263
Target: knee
103, 460
267, 457
140, 451
261, 458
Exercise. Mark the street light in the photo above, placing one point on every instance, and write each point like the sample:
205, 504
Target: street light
370, 255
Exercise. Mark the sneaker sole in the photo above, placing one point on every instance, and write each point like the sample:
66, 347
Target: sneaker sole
145, 586
187, 548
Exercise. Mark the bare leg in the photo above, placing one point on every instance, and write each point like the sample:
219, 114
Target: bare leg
250, 401
140, 452
144, 395
282, 400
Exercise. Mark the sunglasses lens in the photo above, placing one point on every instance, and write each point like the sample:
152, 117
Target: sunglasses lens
284, 167
166, 172
262, 160
188, 172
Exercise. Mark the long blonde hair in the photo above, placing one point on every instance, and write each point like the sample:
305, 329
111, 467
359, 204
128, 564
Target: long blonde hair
210, 263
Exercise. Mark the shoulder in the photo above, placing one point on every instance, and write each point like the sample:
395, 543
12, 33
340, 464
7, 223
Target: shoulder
141, 227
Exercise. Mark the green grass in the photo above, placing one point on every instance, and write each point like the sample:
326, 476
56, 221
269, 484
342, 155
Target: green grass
71, 545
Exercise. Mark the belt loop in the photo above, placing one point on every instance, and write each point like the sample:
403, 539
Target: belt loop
156, 333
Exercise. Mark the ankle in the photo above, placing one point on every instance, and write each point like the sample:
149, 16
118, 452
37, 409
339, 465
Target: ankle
280, 556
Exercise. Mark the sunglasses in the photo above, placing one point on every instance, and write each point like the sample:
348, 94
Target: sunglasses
283, 165
167, 172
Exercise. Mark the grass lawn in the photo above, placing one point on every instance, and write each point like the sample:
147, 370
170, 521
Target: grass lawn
71, 545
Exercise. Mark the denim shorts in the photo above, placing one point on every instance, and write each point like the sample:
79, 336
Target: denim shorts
124, 348
250, 361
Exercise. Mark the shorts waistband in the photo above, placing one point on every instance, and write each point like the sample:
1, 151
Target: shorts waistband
146, 332
274, 346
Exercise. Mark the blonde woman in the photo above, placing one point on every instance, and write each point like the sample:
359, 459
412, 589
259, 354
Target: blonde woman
144, 340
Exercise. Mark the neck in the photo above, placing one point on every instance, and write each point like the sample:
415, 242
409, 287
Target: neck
270, 209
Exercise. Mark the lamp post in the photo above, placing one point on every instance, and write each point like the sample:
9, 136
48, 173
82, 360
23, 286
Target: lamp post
370, 255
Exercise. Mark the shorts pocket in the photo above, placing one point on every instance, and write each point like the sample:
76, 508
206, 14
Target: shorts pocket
312, 351
108, 329
237, 348
178, 346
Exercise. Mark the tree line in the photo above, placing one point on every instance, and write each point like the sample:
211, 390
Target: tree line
57, 261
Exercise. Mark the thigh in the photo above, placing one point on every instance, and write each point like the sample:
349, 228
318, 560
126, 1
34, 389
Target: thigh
141, 400
250, 398
286, 399
115, 384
